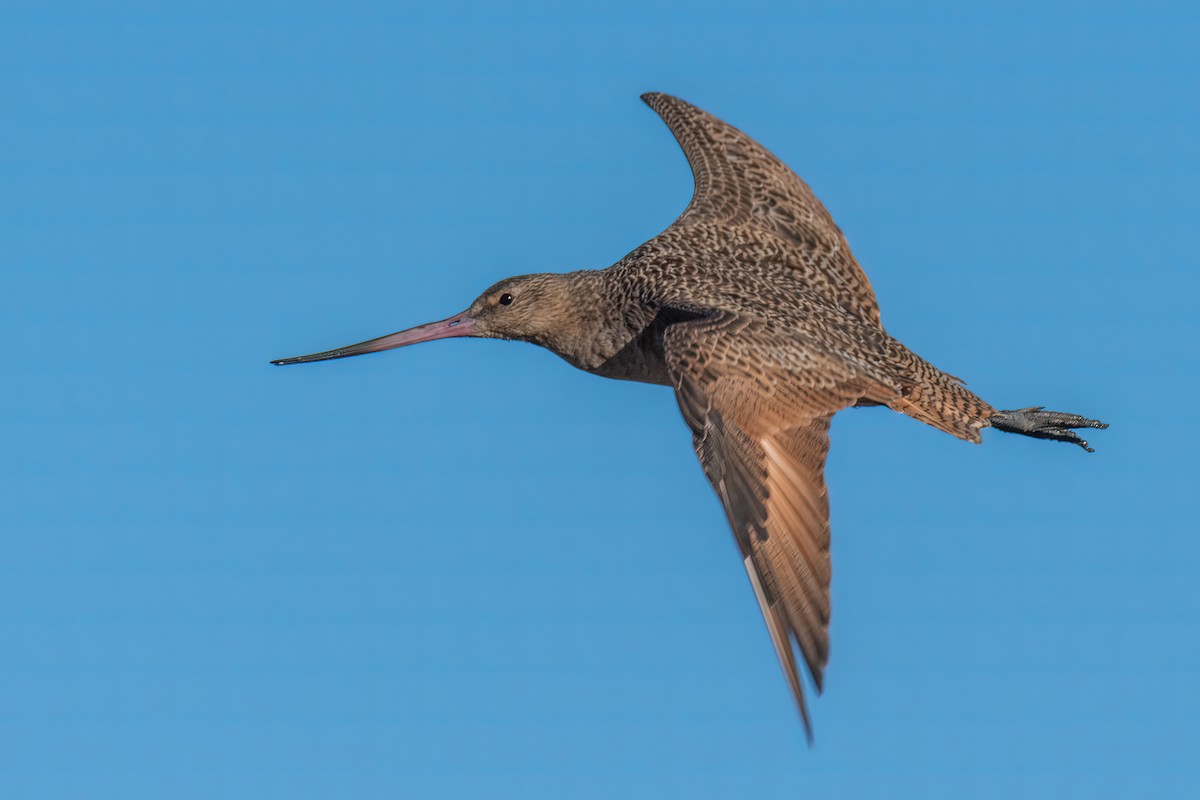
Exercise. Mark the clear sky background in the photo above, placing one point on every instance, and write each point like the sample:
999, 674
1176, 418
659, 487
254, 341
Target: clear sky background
467, 570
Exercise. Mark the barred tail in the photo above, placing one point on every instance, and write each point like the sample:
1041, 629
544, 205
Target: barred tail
938, 398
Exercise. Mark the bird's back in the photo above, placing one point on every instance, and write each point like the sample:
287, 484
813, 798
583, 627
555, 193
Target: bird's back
756, 241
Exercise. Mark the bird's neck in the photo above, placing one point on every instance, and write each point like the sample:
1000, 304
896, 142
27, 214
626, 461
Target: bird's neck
605, 317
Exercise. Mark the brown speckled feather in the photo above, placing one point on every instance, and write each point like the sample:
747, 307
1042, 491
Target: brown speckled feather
740, 184
761, 431
789, 335
753, 308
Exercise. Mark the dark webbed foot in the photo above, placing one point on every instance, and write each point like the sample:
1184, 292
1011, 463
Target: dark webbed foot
1041, 424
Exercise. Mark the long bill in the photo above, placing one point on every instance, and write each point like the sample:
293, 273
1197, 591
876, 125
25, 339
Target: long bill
458, 325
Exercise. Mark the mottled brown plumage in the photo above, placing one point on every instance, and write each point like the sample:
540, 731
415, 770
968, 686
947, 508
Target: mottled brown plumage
753, 308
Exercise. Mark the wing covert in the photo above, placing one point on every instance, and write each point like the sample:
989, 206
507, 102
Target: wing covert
739, 182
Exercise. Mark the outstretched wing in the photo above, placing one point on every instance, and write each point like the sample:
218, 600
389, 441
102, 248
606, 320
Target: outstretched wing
739, 182
761, 430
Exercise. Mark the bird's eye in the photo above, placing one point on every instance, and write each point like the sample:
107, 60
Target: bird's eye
506, 299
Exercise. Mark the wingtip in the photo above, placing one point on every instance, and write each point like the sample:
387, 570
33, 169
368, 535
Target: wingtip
808, 728
805, 718
658, 100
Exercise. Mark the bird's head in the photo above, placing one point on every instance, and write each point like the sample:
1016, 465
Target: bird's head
528, 308
542, 309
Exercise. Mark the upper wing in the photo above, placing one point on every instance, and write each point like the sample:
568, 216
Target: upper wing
761, 431
738, 181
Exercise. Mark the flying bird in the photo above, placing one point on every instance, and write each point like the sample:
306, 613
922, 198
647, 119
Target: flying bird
753, 309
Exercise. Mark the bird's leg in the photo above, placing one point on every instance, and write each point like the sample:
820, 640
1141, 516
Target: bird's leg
1035, 421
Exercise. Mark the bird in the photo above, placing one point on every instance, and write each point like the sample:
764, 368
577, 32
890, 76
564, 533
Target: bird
752, 308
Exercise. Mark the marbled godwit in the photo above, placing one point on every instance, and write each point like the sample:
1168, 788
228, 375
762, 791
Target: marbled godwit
752, 307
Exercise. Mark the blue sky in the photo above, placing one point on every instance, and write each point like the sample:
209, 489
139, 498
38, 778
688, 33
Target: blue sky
466, 570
